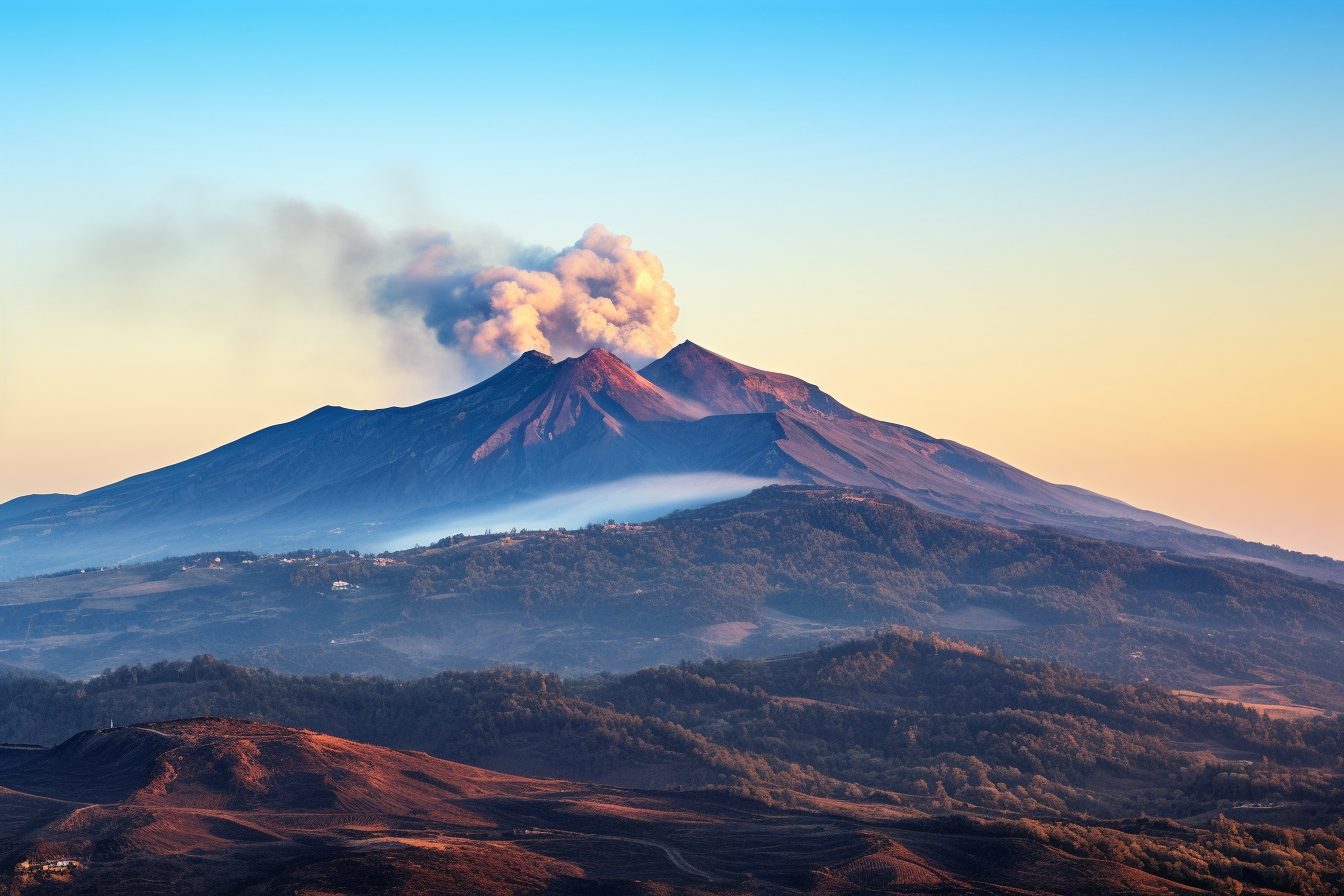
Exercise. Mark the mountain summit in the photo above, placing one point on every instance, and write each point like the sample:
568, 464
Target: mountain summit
595, 390
727, 387
572, 431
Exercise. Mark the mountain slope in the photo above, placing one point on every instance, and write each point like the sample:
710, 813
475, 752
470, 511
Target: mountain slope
832, 444
884, 746
355, 478
225, 806
839, 446
540, 428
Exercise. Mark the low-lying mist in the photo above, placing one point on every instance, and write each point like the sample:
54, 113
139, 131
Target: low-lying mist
634, 499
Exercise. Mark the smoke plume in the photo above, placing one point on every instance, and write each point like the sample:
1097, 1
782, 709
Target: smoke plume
426, 309
598, 292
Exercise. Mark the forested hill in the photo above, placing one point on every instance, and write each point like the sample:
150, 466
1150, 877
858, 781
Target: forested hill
776, 571
895, 722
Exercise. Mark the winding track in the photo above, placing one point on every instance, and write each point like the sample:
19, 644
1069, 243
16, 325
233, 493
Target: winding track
673, 854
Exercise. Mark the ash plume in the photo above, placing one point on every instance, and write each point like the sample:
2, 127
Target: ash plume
427, 309
599, 292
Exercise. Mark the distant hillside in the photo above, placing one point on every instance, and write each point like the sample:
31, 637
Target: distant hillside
546, 443
220, 806
917, 739
778, 570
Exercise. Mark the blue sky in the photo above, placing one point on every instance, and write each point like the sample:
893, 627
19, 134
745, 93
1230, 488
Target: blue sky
536, 117
1045, 229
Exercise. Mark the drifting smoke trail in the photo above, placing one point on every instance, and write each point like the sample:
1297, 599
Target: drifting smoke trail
599, 292
484, 299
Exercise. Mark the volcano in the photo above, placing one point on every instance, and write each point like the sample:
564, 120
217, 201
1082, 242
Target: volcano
591, 436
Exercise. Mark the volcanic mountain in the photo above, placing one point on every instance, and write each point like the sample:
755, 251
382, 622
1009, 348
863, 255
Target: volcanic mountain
590, 435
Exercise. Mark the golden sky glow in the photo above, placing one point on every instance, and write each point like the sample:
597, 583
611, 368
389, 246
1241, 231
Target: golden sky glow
1098, 241
1179, 389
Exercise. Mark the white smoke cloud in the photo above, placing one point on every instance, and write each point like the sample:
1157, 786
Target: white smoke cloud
600, 292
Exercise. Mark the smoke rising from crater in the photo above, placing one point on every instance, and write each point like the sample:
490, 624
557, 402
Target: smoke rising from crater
598, 292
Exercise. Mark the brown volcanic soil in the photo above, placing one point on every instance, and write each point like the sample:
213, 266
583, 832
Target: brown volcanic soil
226, 806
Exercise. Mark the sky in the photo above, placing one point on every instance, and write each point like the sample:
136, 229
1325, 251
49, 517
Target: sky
1100, 241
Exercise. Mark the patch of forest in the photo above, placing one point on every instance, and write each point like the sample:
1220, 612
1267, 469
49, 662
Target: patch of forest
786, 567
899, 720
